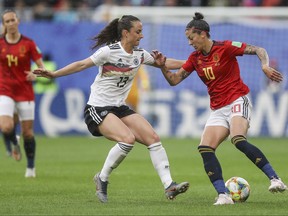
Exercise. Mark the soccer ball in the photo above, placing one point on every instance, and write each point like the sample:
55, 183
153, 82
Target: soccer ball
238, 189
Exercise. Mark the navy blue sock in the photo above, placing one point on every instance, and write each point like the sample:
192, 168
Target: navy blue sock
269, 171
30, 149
255, 155
212, 168
7, 143
11, 137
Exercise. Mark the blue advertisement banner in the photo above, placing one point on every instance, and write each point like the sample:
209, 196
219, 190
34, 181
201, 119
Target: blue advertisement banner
173, 111
181, 114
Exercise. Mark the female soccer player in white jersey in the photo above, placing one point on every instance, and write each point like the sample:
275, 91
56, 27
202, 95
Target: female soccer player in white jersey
106, 112
216, 64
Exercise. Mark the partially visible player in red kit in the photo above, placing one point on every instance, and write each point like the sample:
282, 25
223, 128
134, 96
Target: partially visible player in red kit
16, 90
216, 64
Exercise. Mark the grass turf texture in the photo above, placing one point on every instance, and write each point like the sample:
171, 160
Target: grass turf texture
66, 166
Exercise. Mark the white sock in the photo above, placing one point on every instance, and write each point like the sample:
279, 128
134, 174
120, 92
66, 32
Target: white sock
115, 156
160, 162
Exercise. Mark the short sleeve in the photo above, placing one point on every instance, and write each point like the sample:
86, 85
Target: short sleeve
100, 56
35, 52
235, 48
148, 59
188, 65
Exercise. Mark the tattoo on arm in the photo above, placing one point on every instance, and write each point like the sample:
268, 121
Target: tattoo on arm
259, 51
263, 56
184, 74
250, 50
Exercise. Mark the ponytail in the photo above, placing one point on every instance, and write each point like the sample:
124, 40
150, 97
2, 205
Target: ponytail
112, 33
108, 35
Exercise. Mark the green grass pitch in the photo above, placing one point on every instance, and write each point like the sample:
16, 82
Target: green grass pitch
66, 166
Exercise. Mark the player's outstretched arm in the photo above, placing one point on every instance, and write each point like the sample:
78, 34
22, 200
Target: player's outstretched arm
172, 78
262, 54
173, 64
41, 72
69, 69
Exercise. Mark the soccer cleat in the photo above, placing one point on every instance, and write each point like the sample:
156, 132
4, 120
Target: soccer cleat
30, 173
174, 189
16, 153
277, 186
101, 188
223, 199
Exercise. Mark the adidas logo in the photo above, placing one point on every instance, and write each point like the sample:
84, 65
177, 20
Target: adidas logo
210, 173
258, 160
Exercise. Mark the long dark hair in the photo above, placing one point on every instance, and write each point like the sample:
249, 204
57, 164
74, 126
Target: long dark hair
199, 24
112, 33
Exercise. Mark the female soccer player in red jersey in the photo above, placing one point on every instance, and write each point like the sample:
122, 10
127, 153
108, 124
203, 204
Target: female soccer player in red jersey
16, 91
216, 64
107, 114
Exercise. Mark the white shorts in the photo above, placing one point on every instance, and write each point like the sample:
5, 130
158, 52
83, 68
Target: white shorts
222, 117
24, 109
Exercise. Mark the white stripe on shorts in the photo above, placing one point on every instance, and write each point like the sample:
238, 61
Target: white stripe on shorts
94, 115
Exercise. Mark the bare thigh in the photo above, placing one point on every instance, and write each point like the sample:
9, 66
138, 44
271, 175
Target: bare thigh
114, 129
213, 136
141, 128
7, 109
238, 126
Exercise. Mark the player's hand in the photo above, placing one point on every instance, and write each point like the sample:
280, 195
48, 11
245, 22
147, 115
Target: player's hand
272, 74
160, 59
41, 72
30, 76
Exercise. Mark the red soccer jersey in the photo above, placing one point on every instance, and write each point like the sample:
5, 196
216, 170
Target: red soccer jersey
219, 71
15, 59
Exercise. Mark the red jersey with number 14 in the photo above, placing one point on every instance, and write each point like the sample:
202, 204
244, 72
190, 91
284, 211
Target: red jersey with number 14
219, 71
15, 59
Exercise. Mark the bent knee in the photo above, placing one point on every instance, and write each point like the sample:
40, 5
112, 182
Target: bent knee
27, 134
128, 138
155, 137
151, 139
7, 128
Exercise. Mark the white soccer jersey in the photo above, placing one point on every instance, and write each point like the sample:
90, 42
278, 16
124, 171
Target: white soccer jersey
117, 69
